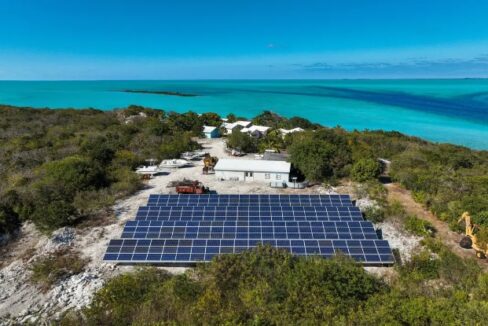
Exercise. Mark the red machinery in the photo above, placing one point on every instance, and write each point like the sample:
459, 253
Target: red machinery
191, 187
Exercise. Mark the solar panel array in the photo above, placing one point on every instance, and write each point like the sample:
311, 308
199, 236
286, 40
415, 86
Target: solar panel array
222, 213
186, 229
254, 200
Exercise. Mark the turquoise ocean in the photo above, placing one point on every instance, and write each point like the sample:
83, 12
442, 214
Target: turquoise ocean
453, 111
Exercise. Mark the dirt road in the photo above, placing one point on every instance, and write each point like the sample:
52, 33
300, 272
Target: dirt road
449, 238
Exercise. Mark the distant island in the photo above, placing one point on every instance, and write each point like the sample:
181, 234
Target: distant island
159, 92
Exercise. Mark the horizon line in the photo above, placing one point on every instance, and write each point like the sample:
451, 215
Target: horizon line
245, 79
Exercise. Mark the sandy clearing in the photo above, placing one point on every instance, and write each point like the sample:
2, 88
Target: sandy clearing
449, 238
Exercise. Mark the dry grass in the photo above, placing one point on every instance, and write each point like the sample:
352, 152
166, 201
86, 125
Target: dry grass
48, 270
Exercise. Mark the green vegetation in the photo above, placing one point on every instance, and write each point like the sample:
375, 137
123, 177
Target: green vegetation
61, 167
320, 155
448, 179
418, 226
365, 169
242, 141
47, 270
71, 164
275, 121
268, 286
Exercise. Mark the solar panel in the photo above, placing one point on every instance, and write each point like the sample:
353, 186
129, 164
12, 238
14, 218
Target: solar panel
186, 229
214, 199
272, 213
184, 251
248, 230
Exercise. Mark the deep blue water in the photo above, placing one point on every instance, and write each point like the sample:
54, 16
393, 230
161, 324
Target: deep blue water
454, 111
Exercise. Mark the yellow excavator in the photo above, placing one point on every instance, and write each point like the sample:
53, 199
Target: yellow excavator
470, 241
209, 163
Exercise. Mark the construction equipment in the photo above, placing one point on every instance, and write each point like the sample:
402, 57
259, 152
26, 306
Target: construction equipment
470, 240
191, 187
209, 163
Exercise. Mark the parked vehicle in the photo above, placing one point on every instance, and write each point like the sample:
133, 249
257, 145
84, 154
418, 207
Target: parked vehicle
193, 155
149, 170
191, 187
174, 163
209, 163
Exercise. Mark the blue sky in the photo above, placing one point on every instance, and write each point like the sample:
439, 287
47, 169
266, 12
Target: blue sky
183, 39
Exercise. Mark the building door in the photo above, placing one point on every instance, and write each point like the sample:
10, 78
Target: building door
248, 176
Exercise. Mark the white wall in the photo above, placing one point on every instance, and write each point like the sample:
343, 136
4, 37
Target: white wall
257, 176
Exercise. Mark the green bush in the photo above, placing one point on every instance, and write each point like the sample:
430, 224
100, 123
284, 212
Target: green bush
422, 266
365, 169
266, 285
173, 147
374, 214
419, 227
242, 141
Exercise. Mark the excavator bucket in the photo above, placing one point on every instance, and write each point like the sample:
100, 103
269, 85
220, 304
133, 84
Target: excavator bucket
466, 243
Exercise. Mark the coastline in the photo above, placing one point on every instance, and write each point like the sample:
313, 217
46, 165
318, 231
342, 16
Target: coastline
306, 98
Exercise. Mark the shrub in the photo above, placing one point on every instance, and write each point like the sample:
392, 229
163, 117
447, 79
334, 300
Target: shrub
89, 203
422, 266
242, 141
265, 284
419, 227
365, 169
312, 158
173, 147
48, 270
374, 214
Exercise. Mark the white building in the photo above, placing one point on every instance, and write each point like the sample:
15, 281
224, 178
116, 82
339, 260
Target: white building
257, 131
229, 127
210, 132
252, 170
285, 132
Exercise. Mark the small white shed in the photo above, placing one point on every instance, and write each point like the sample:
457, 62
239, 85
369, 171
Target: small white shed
252, 170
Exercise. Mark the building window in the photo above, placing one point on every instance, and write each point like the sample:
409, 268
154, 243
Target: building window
278, 177
267, 176
248, 174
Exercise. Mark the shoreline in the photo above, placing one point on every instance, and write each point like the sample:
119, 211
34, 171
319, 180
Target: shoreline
346, 128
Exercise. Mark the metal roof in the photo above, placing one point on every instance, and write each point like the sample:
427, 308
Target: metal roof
207, 129
252, 166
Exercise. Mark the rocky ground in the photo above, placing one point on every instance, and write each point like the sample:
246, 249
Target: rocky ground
22, 301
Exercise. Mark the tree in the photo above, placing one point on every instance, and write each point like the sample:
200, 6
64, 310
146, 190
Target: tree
294, 122
54, 192
365, 169
242, 141
211, 119
173, 147
269, 119
99, 150
231, 117
71, 174
272, 140
312, 157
